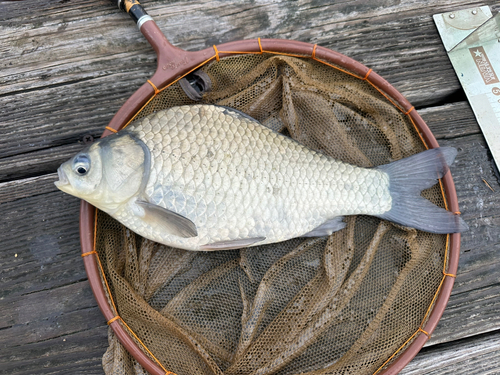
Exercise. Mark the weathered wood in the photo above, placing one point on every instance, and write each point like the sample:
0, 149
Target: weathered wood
79, 48
67, 66
474, 305
450, 120
17, 189
40, 244
474, 281
49, 320
36, 163
469, 313
77, 353
48, 314
73, 64
61, 115
480, 355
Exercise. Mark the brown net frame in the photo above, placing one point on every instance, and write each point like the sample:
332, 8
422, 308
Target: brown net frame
362, 301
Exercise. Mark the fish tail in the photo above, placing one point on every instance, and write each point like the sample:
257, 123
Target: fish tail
407, 178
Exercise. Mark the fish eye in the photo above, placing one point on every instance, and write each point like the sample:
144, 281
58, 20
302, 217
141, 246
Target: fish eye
81, 164
81, 170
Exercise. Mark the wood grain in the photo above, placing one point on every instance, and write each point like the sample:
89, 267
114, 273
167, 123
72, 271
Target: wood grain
49, 320
477, 276
75, 62
76, 353
479, 356
66, 67
22, 188
450, 120
40, 243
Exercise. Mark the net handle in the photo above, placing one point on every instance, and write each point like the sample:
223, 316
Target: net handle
173, 64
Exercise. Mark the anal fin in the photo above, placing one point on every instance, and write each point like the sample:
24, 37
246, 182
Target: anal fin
327, 228
232, 244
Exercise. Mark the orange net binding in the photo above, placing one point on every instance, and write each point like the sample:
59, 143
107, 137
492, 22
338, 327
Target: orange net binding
346, 304
89, 253
111, 129
216, 53
154, 87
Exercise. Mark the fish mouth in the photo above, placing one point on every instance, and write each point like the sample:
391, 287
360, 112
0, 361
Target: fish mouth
63, 179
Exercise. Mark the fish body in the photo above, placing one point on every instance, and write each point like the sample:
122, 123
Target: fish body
204, 177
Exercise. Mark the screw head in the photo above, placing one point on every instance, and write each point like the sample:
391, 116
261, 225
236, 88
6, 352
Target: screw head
452, 15
88, 139
474, 12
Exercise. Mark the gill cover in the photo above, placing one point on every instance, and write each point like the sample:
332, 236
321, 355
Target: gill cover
108, 173
126, 164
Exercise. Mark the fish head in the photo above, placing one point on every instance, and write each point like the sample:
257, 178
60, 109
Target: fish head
108, 173
81, 175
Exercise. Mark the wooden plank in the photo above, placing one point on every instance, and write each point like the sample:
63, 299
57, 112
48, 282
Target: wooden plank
40, 243
48, 314
479, 204
69, 65
451, 120
87, 45
470, 313
17, 189
479, 355
73, 64
36, 163
49, 320
77, 353
56, 116
477, 281
475, 300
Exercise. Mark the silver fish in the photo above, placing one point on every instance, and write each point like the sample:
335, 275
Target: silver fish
204, 177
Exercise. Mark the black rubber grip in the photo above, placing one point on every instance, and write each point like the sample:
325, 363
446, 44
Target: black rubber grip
136, 12
132, 7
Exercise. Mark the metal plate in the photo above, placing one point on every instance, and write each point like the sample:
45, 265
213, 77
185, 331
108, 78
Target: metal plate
472, 39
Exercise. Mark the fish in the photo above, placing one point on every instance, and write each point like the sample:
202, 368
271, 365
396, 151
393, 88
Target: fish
205, 177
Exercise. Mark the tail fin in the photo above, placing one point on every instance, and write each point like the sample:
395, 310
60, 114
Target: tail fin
407, 178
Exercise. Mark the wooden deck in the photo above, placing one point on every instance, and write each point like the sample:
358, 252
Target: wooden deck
66, 66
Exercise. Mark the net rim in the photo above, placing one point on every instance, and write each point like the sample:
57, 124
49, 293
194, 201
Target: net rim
189, 61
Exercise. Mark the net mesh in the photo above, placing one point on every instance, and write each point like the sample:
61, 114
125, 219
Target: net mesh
338, 305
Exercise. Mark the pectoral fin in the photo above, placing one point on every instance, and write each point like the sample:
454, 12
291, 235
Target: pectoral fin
167, 220
327, 228
233, 244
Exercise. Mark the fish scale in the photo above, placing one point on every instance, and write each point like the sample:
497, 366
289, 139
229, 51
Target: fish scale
204, 177
235, 178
